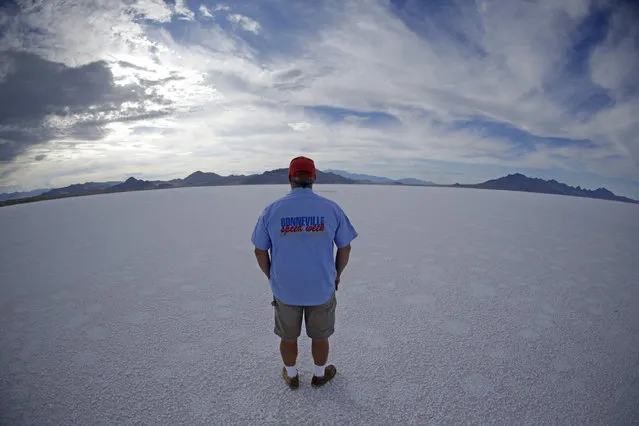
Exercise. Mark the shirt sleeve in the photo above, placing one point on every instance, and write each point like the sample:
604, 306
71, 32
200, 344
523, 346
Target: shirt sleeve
345, 232
261, 238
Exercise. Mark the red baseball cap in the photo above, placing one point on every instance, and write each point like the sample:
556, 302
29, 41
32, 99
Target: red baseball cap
301, 167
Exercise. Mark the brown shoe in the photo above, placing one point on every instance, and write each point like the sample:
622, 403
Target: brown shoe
293, 382
329, 373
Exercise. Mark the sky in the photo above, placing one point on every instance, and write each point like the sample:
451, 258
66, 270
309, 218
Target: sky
490, 308
445, 91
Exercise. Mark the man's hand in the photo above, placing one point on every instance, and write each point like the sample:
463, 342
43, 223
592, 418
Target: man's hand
264, 261
341, 259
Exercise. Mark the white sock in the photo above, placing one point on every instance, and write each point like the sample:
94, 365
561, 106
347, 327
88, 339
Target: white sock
291, 371
320, 370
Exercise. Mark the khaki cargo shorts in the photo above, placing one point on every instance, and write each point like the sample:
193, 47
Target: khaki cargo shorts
319, 320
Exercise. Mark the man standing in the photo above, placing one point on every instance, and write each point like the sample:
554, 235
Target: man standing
300, 229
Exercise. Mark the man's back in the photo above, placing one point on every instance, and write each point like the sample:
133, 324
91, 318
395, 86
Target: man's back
300, 230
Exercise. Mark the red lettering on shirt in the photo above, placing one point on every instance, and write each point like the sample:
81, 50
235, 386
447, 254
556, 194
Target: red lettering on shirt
301, 228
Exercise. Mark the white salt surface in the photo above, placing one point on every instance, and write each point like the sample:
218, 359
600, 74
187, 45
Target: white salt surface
458, 306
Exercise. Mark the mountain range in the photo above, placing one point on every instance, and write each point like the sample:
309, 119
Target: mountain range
18, 195
512, 182
379, 179
519, 182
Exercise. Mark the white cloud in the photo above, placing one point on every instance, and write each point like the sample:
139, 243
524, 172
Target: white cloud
79, 33
182, 10
300, 127
154, 10
206, 11
231, 100
376, 59
614, 62
245, 22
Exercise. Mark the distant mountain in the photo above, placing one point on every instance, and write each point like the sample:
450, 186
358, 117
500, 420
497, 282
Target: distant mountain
413, 181
360, 177
271, 177
513, 182
378, 179
16, 195
78, 188
280, 177
519, 182
325, 177
133, 184
203, 179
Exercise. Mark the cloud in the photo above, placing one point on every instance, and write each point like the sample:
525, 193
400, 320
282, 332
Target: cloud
45, 101
613, 62
493, 83
205, 11
153, 10
246, 23
300, 127
79, 32
357, 118
210, 13
498, 72
182, 10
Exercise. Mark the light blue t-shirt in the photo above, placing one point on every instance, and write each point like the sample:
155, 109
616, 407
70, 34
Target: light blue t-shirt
300, 229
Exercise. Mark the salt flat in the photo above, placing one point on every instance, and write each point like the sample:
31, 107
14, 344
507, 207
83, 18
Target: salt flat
458, 306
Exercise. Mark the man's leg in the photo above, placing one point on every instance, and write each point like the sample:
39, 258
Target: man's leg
320, 325
288, 349
319, 349
288, 326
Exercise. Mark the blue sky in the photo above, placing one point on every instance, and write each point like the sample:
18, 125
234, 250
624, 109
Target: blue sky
446, 91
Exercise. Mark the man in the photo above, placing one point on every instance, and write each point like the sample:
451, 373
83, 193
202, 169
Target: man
300, 229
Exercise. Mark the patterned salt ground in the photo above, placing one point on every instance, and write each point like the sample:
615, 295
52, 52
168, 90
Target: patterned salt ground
471, 310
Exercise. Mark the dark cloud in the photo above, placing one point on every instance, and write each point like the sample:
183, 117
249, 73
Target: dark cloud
93, 130
288, 75
40, 157
7, 171
13, 141
35, 89
125, 64
295, 79
173, 77
89, 131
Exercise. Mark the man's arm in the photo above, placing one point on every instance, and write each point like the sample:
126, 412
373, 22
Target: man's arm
264, 261
341, 260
